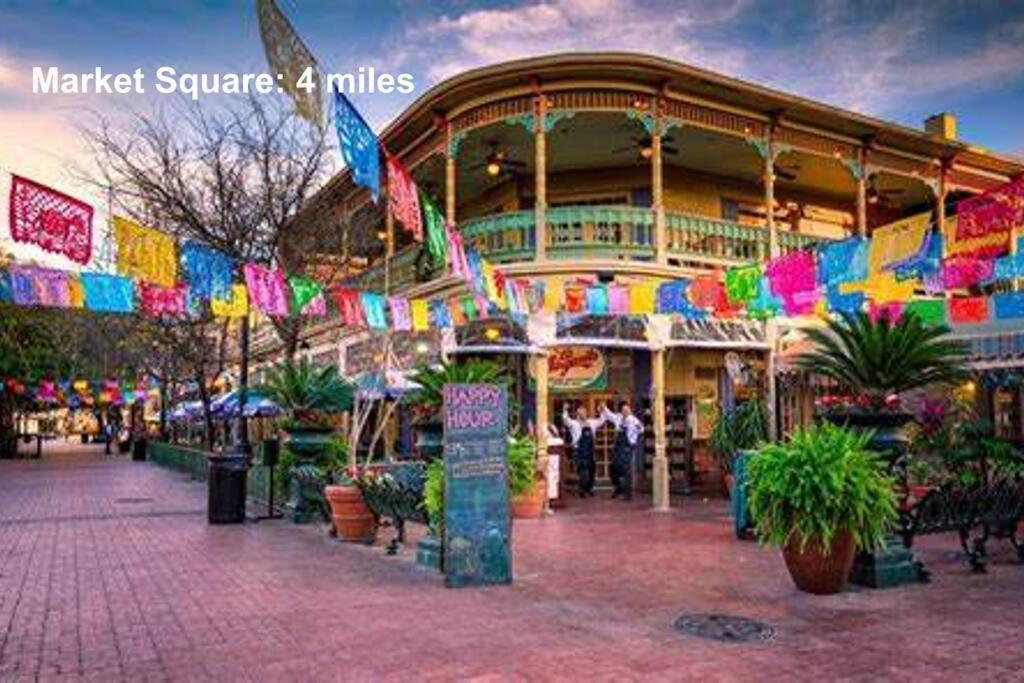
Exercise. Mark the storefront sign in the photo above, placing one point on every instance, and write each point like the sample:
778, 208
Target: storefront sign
575, 368
477, 528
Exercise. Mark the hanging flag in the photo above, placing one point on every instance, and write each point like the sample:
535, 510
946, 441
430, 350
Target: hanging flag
52, 287
575, 299
968, 310
741, 283
460, 261
210, 273
420, 315
235, 305
672, 296
51, 220
144, 253
267, 289
897, 243
403, 198
998, 211
792, 273
1008, 306
350, 307
373, 310
1010, 267
307, 296
6, 295
843, 261
288, 56
706, 291
23, 286
439, 313
930, 311
843, 303
766, 305
642, 298
964, 272
491, 289
108, 293
76, 295
359, 146
618, 300
455, 313
437, 246
597, 300
162, 302
468, 302
401, 313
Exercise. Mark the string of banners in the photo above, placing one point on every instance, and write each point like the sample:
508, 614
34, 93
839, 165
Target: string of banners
910, 264
79, 393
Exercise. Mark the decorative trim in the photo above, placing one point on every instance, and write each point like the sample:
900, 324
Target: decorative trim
456, 141
645, 119
552, 118
759, 144
855, 167
524, 120
670, 122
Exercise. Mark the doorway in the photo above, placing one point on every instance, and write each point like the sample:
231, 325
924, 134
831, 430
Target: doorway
604, 440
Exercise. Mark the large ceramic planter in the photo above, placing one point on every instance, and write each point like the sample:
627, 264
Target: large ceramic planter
889, 429
351, 515
816, 572
530, 505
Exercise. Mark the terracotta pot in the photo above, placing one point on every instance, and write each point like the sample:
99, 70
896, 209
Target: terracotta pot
530, 505
352, 517
815, 572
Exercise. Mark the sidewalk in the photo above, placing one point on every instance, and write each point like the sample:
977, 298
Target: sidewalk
109, 571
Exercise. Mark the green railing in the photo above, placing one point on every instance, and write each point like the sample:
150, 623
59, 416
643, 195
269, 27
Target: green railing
696, 237
193, 462
616, 232
502, 237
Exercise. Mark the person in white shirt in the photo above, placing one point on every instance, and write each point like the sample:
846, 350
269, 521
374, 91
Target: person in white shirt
627, 442
581, 436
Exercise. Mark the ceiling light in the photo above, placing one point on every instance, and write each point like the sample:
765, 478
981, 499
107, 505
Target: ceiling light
492, 333
493, 168
422, 348
647, 151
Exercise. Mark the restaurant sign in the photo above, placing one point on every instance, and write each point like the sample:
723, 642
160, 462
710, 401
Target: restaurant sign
576, 368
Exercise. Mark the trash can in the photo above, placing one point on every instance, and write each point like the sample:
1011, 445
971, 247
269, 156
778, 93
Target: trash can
139, 450
226, 487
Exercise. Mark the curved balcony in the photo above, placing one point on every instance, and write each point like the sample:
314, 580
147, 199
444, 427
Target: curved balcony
603, 232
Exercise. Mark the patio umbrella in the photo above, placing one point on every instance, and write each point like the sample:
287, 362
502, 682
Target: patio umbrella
225, 406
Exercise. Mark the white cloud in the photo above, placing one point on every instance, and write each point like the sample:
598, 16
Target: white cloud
453, 44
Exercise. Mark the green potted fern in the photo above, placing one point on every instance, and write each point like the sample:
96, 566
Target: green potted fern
819, 497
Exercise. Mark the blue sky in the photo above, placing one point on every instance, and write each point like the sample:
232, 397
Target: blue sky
901, 60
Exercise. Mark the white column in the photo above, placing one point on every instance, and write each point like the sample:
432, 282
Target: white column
540, 166
659, 468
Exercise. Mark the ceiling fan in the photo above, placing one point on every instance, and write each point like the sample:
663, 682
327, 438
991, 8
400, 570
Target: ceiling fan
497, 161
644, 146
877, 196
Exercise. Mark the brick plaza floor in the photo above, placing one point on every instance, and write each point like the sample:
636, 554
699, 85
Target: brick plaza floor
108, 571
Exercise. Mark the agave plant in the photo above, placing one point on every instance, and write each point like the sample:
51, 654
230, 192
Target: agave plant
306, 390
879, 358
431, 380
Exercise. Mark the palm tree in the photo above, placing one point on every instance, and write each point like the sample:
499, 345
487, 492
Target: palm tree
306, 390
880, 358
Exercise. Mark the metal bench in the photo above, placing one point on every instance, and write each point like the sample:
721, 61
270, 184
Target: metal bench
396, 493
976, 512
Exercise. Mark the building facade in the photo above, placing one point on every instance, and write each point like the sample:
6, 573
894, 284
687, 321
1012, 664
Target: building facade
623, 168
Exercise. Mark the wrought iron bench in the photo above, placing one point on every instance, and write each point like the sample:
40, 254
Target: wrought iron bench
397, 494
977, 513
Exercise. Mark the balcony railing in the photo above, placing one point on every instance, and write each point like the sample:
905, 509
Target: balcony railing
609, 232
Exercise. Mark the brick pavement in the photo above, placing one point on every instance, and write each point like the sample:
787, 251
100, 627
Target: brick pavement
108, 571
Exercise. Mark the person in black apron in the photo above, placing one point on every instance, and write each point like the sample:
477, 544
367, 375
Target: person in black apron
627, 441
581, 437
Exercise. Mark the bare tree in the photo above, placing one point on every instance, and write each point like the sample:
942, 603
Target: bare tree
232, 177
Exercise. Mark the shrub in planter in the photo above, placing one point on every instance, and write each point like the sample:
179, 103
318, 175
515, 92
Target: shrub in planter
819, 497
526, 485
740, 429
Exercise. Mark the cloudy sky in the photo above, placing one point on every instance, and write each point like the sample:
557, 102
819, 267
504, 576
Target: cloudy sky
901, 60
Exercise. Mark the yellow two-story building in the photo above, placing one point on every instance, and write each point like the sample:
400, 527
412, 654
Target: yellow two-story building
621, 168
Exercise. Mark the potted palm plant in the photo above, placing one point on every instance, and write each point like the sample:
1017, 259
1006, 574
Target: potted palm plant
308, 394
739, 429
820, 496
876, 361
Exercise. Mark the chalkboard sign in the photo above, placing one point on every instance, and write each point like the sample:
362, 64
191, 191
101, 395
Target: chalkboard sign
477, 529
